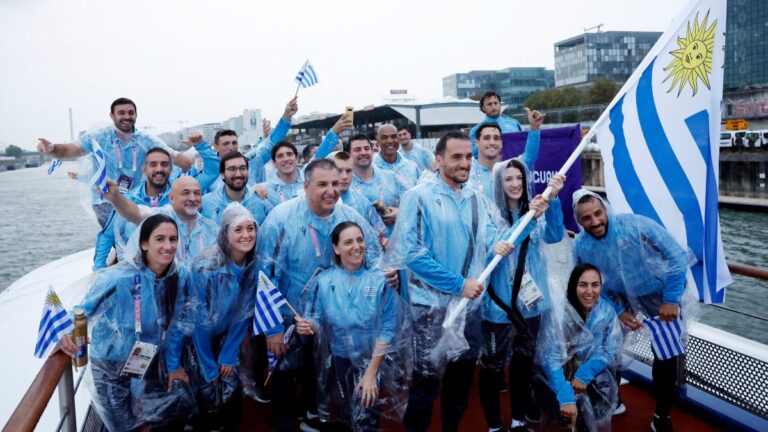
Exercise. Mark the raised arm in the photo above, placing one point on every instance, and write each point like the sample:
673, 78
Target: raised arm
124, 207
59, 151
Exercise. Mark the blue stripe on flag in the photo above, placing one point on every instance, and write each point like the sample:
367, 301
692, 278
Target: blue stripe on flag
55, 335
262, 317
626, 175
47, 322
44, 320
52, 332
698, 125
672, 172
312, 75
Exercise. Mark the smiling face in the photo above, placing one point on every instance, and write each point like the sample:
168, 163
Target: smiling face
513, 182
157, 168
592, 216
322, 191
350, 249
160, 248
345, 173
388, 141
285, 161
455, 163
489, 143
186, 197
241, 237
361, 153
588, 289
124, 117
235, 174
404, 137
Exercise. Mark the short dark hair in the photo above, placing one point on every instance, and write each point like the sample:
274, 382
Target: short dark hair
342, 155
355, 137
492, 125
307, 149
325, 164
587, 198
406, 127
228, 157
443, 141
336, 233
573, 282
282, 144
486, 95
121, 101
223, 132
157, 150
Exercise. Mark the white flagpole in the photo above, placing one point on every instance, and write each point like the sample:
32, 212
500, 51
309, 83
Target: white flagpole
451, 317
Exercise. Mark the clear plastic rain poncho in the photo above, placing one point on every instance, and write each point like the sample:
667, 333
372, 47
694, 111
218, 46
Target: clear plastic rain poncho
642, 265
588, 349
226, 294
545, 273
168, 311
294, 245
442, 237
358, 318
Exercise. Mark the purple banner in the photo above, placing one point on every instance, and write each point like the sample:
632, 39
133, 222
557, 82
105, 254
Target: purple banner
556, 146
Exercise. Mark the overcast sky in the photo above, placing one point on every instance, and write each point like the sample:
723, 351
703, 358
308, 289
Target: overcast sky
205, 61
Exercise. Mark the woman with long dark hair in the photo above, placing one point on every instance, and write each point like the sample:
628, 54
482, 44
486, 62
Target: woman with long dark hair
579, 352
517, 295
139, 312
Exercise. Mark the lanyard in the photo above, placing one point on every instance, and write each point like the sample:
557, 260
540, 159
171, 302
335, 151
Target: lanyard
137, 304
315, 243
119, 154
381, 189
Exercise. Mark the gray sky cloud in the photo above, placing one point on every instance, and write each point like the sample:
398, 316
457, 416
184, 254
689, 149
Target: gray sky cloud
203, 61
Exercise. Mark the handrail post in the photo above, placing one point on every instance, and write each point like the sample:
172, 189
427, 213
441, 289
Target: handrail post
67, 401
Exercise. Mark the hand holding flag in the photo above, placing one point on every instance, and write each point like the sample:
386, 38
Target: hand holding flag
54, 323
99, 177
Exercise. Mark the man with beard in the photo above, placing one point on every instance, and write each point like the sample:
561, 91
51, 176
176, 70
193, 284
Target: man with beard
416, 153
288, 183
124, 150
443, 236
294, 245
489, 146
390, 159
233, 169
196, 232
375, 184
490, 105
644, 272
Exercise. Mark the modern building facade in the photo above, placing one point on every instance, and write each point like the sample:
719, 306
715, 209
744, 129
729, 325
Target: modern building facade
746, 45
613, 55
513, 84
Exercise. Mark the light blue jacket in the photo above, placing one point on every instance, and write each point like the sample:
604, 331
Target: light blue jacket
443, 236
360, 203
109, 306
261, 153
215, 202
226, 294
550, 230
279, 191
636, 257
423, 157
595, 344
406, 171
294, 243
210, 173
357, 308
481, 177
507, 124
383, 187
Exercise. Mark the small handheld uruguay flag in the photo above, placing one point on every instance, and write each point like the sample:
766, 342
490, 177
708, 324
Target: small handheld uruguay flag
54, 164
99, 178
267, 314
307, 77
54, 323
666, 337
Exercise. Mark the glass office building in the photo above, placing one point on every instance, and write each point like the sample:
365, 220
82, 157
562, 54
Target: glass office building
513, 84
746, 45
613, 55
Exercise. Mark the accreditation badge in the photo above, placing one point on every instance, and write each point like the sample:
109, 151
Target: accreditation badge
125, 183
138, 362
529, 294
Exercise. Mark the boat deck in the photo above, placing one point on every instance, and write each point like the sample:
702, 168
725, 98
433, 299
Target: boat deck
638, 401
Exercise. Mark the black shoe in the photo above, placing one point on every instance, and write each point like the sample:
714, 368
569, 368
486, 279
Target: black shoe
312, 425
258, 394
661, 424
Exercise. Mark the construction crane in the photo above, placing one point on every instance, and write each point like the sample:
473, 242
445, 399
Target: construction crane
598, 27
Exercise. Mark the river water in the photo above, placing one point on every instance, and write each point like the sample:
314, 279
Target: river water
41, 219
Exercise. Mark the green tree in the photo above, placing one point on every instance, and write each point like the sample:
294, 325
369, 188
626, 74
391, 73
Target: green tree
14, 151
602, 91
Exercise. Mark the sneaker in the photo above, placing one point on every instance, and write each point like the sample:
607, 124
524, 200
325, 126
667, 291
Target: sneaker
661, 424
518, 426
620, 409
311, 425
258, 394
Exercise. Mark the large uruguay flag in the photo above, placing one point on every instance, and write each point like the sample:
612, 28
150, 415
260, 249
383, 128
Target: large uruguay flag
659, 140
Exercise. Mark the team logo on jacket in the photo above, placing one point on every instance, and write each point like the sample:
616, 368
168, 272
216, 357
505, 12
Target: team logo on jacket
369, 292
